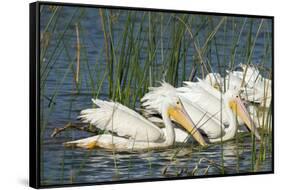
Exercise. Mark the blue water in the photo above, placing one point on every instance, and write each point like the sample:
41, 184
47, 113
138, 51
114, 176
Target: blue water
60, 104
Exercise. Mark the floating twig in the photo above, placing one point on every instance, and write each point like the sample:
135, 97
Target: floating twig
73, 126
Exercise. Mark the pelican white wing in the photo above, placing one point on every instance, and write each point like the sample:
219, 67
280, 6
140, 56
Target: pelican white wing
204, 97
114, 117
256, 88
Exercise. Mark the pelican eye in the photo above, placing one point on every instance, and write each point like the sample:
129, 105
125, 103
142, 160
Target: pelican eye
178, 103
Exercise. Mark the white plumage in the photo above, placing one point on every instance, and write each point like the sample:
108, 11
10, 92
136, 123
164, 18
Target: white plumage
107, 117
255, 88
131, 131
209, 109
218, 106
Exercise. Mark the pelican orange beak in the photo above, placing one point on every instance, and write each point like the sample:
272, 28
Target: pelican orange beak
240, 110
179, 115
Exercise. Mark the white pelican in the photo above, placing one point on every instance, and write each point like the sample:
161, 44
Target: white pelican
255, 88
226, 107
131, 131
204, 104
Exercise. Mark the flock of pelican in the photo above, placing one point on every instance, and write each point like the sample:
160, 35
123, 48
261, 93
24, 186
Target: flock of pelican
210, 110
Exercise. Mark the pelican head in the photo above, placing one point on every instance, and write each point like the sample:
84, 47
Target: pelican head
234, 102
164, 100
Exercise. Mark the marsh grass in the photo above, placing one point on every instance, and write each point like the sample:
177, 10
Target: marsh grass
135, 51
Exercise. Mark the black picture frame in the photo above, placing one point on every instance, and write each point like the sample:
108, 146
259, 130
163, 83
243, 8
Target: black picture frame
34, 92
